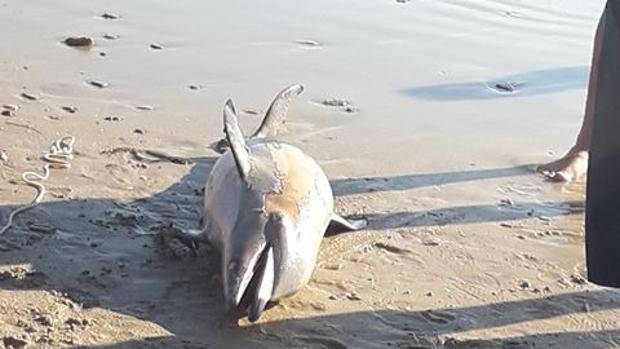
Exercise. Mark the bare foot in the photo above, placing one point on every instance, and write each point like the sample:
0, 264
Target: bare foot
571, 167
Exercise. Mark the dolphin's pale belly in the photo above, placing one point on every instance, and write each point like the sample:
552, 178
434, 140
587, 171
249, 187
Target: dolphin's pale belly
311, 212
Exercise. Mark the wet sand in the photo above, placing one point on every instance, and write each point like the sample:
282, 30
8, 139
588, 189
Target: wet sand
428, 116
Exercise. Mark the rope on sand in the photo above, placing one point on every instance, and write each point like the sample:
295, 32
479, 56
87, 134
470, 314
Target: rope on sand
59, 156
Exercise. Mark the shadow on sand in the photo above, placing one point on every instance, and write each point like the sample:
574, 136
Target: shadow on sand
350, 186
432, 328
103, 255
528, 84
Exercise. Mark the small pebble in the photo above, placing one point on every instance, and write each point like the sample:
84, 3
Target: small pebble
70, 109
3, 156
156, 47
506, 202
73, 323
525, 284
99, 84
29, 96
111, 36
108, 15
353, 296
333, 266
79, 41
309, 43
11, 342
8, 113
578, 279
44, 320
194, 87
144, 107
102, 54
505, 87
429, 294
318, 306
112, 118
139, 131
42, 228
11, 107
334, 102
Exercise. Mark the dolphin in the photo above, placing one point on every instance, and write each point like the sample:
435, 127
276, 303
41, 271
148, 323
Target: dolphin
267, 206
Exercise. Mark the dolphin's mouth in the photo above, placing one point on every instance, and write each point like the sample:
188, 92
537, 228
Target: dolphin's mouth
255, 286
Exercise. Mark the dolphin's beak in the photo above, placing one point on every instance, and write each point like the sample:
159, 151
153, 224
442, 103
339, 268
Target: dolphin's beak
248, 282
238, 274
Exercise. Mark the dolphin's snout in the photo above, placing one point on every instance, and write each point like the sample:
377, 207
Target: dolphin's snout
249, 282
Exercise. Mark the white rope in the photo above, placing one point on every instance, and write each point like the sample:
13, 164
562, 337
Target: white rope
59, 156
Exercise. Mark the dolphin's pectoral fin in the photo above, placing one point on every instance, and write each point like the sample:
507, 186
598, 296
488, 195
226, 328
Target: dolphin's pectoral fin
235, 140
338, 224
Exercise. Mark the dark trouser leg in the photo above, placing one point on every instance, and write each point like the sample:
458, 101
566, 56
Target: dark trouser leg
603, 192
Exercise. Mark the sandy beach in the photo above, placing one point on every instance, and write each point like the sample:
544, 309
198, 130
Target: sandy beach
429, 118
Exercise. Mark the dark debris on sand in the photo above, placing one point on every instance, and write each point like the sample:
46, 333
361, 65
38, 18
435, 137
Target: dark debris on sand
79, 41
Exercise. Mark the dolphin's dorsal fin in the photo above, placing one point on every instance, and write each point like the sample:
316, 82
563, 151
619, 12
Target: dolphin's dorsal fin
276, 114
236, 140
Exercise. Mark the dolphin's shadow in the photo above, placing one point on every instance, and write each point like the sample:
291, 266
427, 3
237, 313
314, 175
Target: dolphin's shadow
102, 254
424, 329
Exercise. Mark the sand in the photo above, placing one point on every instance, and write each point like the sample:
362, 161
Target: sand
428, 116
